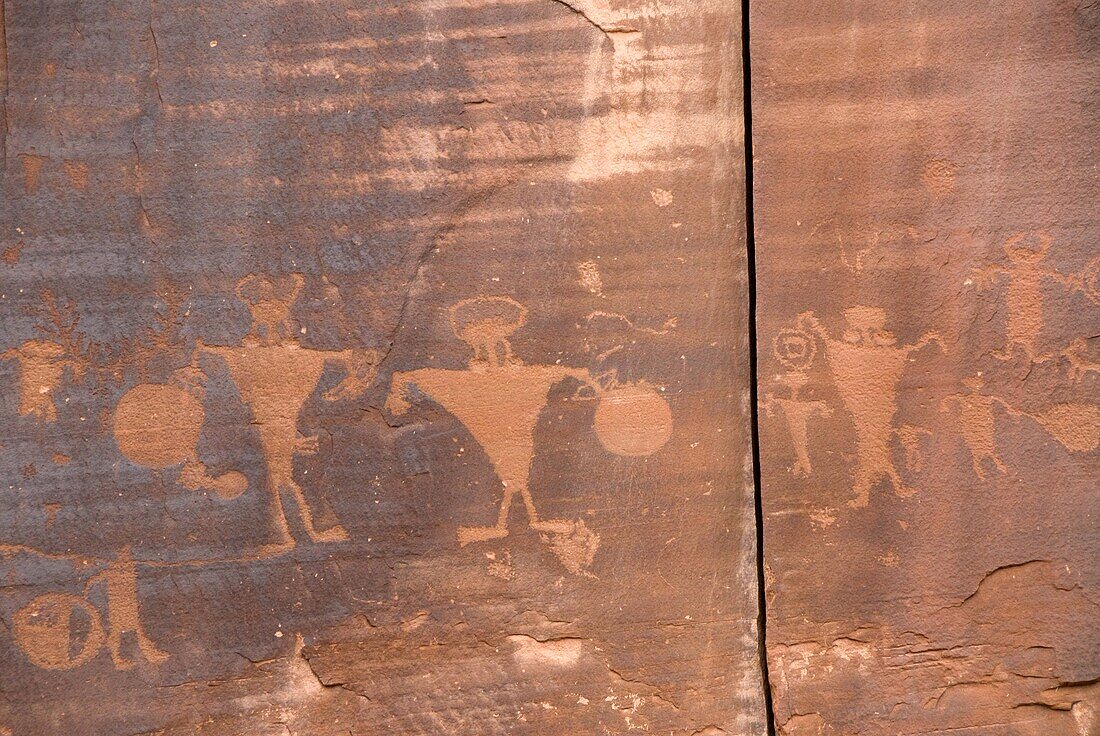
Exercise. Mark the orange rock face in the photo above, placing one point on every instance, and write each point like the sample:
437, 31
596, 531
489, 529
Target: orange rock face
926, 252
375, 367
388, 368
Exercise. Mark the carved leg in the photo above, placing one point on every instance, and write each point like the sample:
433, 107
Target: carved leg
468, 534
148, 649
114, 643
335, 533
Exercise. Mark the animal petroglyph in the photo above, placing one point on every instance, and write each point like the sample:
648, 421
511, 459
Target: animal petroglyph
43, 361
795, 350
866, 367
52, 637
973, 412
499, 399
1025, 277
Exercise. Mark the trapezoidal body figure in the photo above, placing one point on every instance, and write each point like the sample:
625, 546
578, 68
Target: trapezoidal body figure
866, 366
499, 399
276, 375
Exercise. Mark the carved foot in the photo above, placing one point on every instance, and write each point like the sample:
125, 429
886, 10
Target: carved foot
554, 526
860, 501
469, 534
335, 533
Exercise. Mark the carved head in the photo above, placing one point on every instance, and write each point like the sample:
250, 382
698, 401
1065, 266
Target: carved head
485, 323
1028, 249
867, 326
269, 299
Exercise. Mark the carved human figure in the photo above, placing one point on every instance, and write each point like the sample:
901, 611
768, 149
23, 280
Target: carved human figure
797, 414
499, 398
123, 615
866, 366
276, 375
795, 350
973, 412
1025, 277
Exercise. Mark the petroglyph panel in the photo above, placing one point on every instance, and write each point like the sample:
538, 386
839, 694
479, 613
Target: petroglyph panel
376, 367
927, 255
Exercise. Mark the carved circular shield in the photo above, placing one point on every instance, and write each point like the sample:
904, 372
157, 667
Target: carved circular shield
633, 420
157, 425
52, 637
795, 349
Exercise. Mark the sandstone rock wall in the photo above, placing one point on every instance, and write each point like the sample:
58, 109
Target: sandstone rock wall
926, 239
388, 368
375, 367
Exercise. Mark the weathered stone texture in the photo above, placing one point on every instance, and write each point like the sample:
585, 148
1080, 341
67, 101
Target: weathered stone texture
926, 237
296, 295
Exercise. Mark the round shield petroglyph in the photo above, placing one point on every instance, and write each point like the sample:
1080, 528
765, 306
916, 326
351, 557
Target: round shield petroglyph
633, 420
52, 637
157, 425
795, 349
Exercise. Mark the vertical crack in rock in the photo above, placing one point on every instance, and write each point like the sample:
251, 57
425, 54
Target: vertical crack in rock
754, 418
147, 223
402, 312
3, 95
422, 259
147, 113
154, 75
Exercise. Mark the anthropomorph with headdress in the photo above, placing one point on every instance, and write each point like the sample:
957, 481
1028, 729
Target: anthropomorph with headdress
866, 366
499, 398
